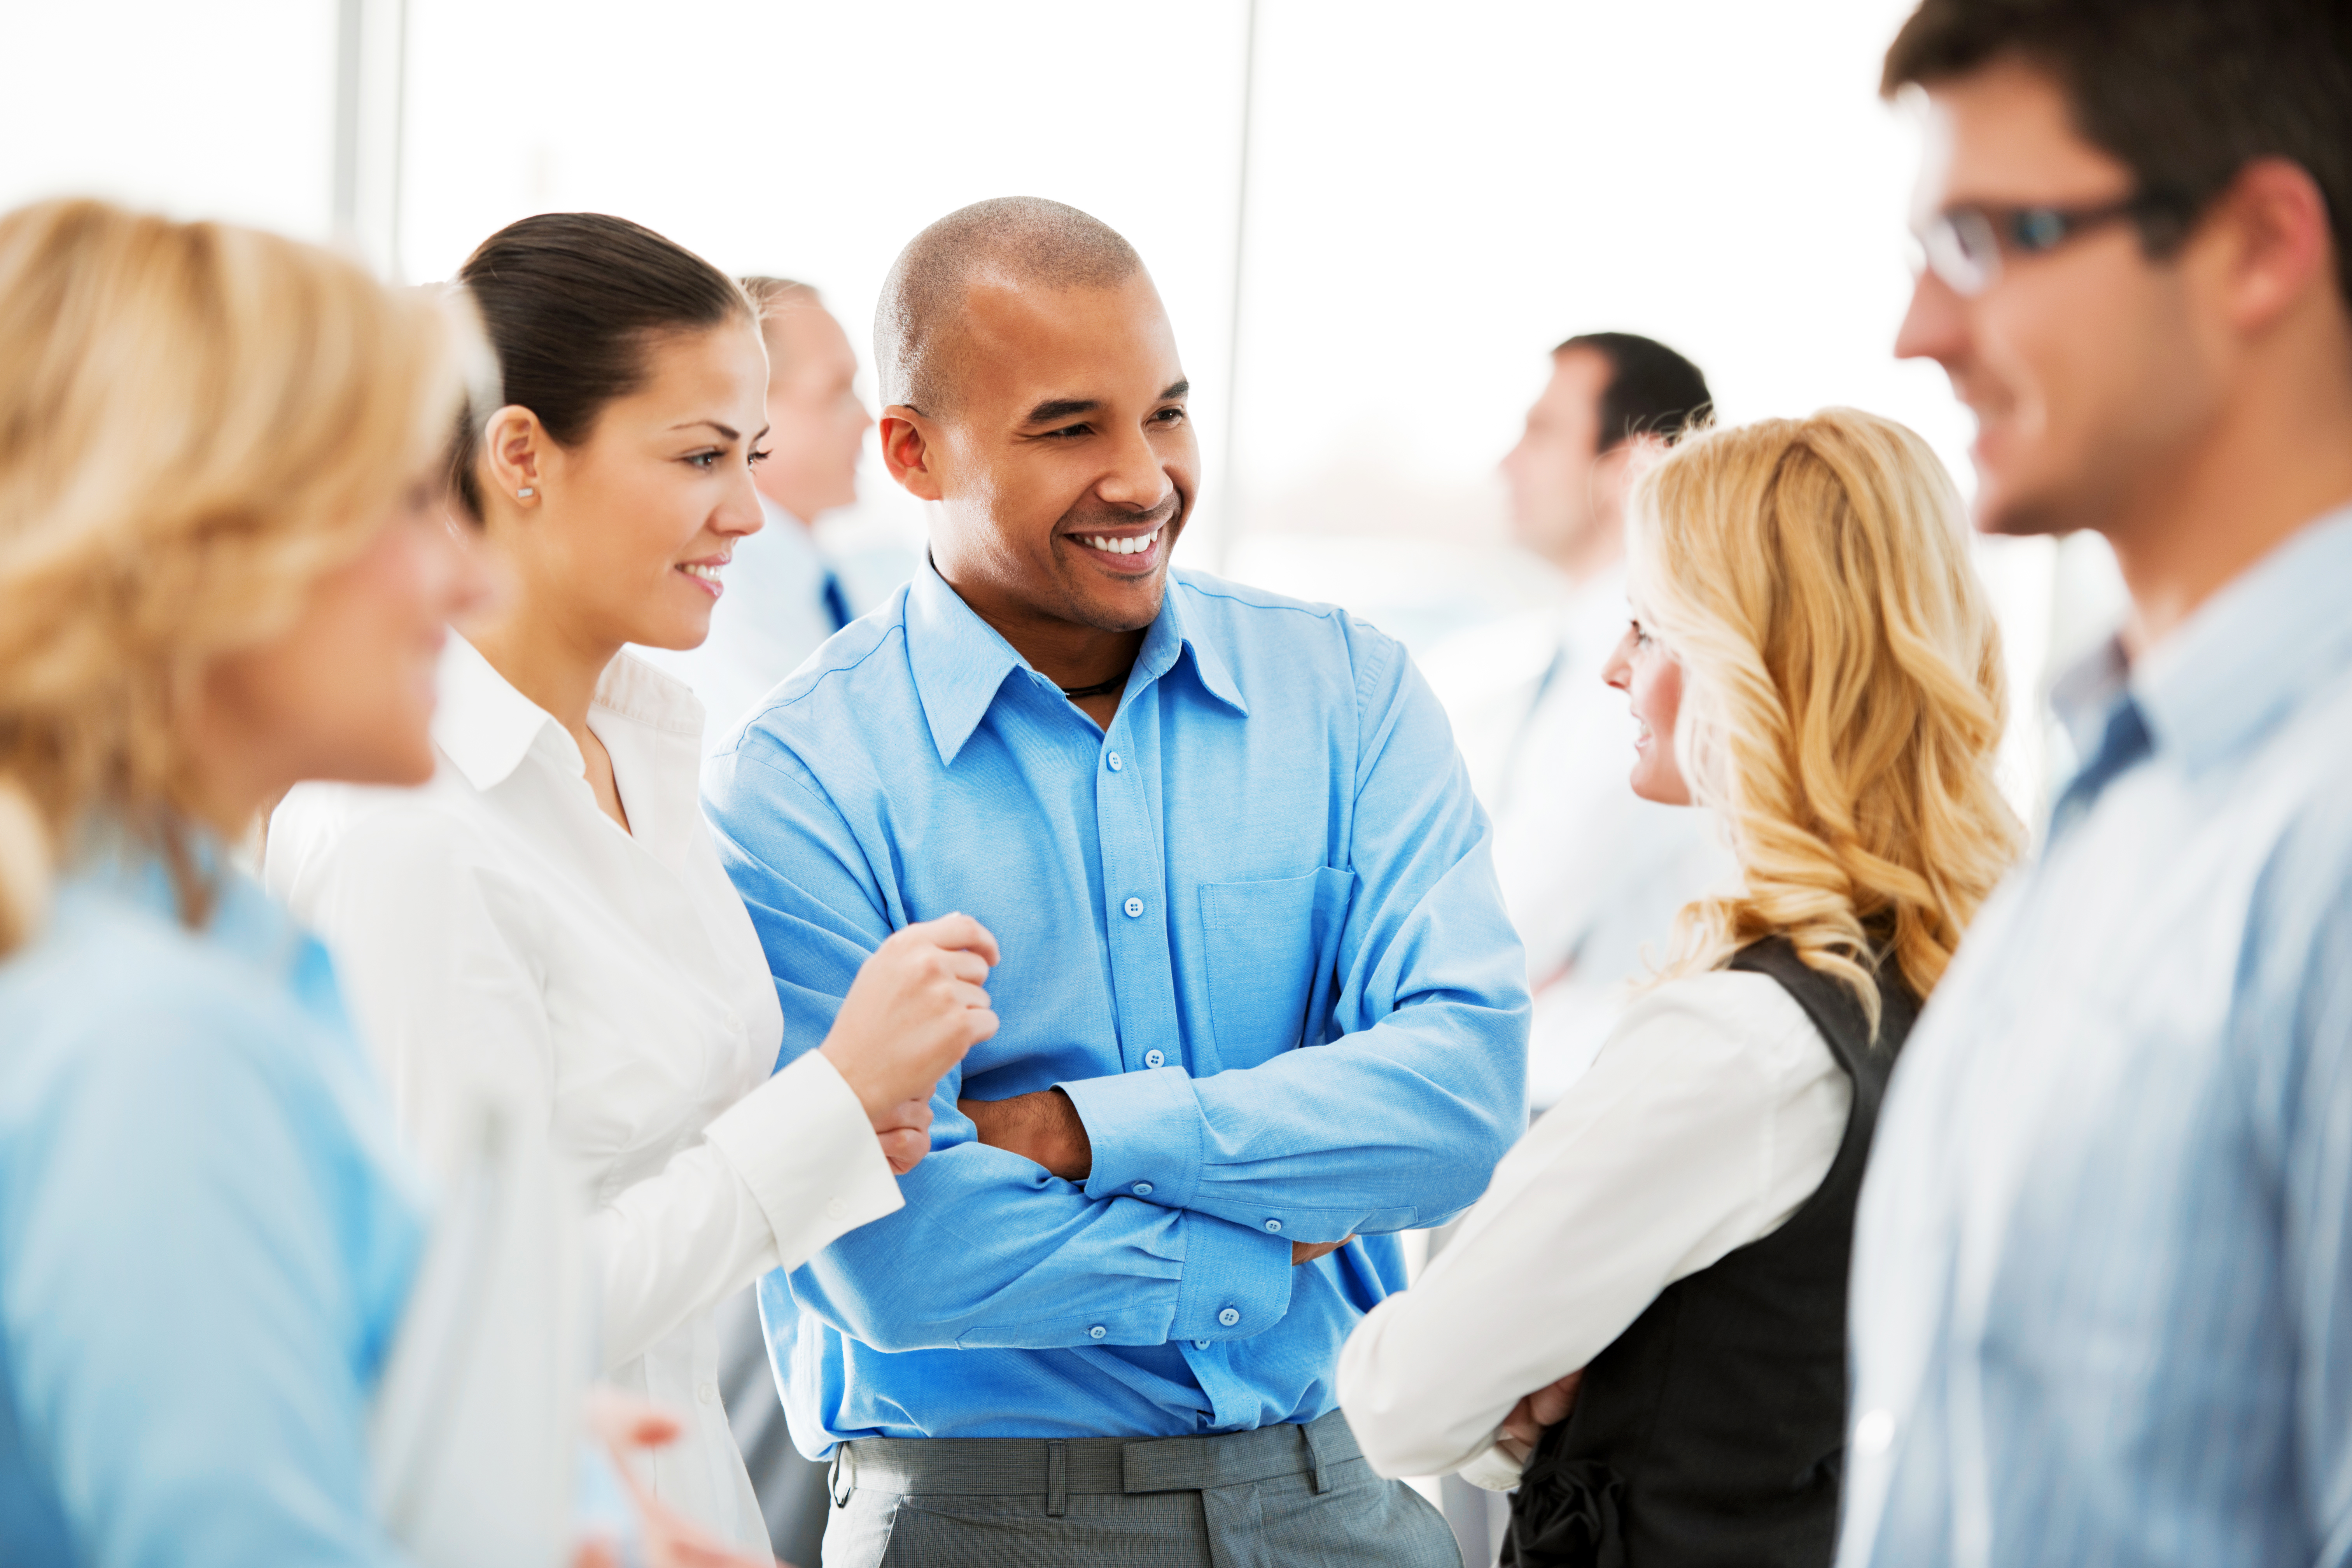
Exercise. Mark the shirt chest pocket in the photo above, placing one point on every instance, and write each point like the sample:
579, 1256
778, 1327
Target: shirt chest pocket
1272, 952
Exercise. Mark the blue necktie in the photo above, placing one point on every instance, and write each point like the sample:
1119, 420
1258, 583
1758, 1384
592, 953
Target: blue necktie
837, 603
2125, 745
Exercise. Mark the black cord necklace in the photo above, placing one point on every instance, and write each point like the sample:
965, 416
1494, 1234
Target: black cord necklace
1115, 684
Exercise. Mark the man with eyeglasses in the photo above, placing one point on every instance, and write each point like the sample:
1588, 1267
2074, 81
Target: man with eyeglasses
2103, 1279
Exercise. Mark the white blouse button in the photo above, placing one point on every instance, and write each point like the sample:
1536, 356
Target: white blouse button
838, 1208
1134, 908
706, 1391
1229, 1317
1115, 763
1155, 1059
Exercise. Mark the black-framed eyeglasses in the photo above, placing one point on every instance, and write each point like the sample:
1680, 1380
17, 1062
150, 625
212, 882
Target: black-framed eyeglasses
1964, 245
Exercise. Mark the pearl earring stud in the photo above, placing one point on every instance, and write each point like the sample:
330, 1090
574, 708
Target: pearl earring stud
524, 494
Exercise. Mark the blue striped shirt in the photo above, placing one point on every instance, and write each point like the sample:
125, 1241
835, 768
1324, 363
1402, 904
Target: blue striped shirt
2102, 1276
1252, 929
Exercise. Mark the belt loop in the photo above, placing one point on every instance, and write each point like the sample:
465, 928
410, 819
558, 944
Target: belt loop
844, 1479
1057, 1478
1315, 1455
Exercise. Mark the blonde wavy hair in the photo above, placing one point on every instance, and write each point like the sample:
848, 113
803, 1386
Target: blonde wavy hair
196, 421
1842, 694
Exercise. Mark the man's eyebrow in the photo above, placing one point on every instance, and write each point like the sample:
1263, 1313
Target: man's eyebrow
728, 431
1070, 407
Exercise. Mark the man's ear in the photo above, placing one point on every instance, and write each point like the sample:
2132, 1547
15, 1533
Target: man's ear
908, 452
2281, 244
1615, 470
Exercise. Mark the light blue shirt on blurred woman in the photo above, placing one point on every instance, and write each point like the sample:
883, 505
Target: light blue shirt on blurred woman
206, 1236
1252, 929
2102, 1270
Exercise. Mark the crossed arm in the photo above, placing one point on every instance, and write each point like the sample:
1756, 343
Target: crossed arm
1044, 1128
1149, 1206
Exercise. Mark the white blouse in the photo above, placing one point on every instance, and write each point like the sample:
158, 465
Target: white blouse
496, 933
1711, 1113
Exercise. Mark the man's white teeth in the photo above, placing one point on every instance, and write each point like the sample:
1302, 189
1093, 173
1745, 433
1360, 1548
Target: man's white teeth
697, 569
1135, 546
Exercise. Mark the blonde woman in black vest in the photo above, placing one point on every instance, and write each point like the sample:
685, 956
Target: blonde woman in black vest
1642, 1325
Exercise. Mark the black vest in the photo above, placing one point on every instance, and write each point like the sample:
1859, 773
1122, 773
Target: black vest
1712, 1430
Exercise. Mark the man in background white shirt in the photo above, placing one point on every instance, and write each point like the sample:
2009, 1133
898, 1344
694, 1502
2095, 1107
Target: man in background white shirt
784, 594
1592, 874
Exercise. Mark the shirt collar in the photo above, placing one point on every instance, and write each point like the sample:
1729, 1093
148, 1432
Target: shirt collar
960, 662
482, 724
2243, 661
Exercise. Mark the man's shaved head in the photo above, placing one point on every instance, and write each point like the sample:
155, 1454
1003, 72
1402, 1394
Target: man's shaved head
1020, 241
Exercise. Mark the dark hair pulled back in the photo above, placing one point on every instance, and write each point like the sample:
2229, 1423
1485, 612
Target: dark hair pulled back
569, 301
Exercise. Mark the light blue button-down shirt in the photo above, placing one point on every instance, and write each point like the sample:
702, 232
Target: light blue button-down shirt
1252, 929
206, 1235
2102, 1276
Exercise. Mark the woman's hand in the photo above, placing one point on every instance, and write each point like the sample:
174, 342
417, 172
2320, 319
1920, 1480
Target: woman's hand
905, 1134
1523, 1428
915, 1009
665, 1538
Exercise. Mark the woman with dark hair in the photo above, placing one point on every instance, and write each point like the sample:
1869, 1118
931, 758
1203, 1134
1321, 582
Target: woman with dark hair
547, 922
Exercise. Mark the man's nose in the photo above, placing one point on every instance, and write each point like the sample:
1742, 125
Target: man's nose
1136, 477
1936, 327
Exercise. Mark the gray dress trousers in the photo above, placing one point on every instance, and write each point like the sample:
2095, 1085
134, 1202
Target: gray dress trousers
1300, 1496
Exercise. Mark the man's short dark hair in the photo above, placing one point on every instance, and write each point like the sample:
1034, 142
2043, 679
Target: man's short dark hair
1027, 239
1651, 391
2184, 92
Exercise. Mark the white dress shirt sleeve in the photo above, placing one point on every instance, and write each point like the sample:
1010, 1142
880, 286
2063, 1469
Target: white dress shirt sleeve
436, 947
1712, 1114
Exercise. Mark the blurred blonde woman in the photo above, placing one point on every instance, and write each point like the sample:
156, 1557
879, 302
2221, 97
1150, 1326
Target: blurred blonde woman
1663, 1260
223, 568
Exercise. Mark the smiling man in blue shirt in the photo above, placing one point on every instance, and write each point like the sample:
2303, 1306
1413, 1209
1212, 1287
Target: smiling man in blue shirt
1262, 1008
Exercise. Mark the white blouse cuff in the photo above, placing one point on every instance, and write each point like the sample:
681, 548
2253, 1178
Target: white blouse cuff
801, 1143
1492, 1468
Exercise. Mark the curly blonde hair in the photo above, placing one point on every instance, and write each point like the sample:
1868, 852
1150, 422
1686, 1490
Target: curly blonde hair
196, 423
1842, 696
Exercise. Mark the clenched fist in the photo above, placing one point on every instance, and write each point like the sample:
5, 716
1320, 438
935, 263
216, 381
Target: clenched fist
915, 1009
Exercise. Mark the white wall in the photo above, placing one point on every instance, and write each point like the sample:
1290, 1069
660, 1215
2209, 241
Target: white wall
1439, 194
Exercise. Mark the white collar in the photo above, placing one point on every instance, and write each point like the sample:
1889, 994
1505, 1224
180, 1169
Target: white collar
485, 727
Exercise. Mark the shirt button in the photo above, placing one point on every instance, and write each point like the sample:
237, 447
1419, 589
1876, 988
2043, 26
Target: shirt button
1874, 1432
1134, 908
1155, 1059
1115, 763
837, 1209
1143, 1189
1199, 1344
1229, 1317
1274, 1226
1096, 1333
706, 1391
